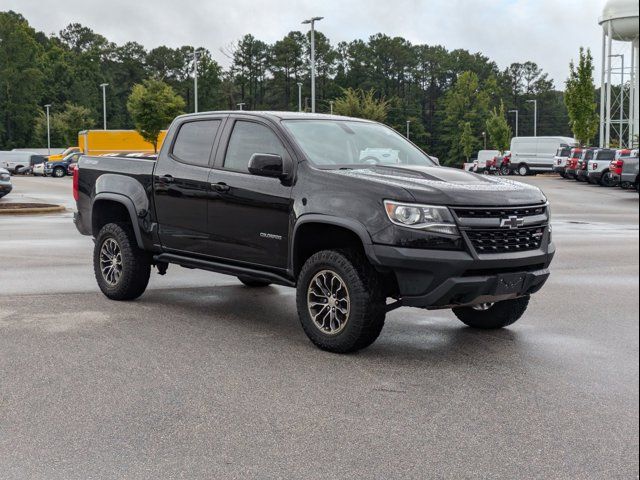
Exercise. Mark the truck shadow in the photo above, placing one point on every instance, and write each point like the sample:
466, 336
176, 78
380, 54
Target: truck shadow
409, 334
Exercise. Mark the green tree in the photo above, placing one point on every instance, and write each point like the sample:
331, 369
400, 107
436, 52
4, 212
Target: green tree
580, 99
467, 141
465, 103
361, 104
498, 129
21, 80
64, 125
152, 106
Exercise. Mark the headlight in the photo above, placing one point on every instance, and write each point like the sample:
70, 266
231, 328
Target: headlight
4, 176
421, 217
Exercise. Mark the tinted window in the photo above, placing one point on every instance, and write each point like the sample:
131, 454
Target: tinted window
606, 154
248, 138
563, 151
195, 142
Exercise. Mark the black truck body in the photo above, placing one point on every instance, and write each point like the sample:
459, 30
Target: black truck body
264, 219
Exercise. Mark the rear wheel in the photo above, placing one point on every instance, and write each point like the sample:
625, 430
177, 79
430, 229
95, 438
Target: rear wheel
253, 283
504, 170
523, 170
121, 268
608, 179
490, 316
340, 301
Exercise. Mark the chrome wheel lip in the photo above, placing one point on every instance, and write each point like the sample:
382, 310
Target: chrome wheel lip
483, 307
111, 261
328, 302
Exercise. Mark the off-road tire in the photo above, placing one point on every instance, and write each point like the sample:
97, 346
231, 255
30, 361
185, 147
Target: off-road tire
367, 303
500, 315
136, 263
607, 180
253, 283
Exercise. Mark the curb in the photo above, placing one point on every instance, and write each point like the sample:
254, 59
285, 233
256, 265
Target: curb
32, 211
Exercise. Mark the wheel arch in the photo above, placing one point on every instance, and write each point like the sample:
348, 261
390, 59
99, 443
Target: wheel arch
111, 208
336, 233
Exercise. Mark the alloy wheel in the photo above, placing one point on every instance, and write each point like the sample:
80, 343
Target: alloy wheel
111, 261
328, 302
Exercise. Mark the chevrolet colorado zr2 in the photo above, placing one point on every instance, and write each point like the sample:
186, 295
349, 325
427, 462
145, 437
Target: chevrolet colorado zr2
353, 215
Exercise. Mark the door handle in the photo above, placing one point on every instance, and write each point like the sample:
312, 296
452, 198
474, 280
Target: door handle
165, 179
221, 187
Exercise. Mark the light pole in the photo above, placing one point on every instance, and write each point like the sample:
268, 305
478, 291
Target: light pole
240, 105
104, 104
48, 106
535, 116
516, 112
484, 138
408, 127
331, 107
194, 56
312, 22
299, 96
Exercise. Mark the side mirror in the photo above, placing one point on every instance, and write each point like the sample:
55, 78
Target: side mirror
269, 165
436, 160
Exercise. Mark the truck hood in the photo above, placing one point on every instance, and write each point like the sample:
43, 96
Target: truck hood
450, 186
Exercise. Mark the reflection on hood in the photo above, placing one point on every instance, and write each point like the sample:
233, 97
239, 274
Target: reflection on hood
448, 185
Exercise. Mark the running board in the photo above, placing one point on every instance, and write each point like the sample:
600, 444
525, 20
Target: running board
224, 268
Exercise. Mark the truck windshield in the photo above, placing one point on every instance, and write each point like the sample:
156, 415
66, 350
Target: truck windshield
353, 144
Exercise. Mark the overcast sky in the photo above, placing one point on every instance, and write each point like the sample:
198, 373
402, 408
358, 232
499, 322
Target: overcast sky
548, 32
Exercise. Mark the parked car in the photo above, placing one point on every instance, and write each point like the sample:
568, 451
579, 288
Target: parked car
598, 167
17, 162
71, 168
64, 154
283, 198
572, 163
38, 170
59, 168
5, 182
485, 156
582, 173
629, 173
536, 154
561, 158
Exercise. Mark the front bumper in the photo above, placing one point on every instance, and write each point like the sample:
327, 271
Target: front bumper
5, 188
436, 279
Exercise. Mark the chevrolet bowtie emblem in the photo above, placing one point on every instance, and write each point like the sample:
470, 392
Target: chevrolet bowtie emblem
512, 222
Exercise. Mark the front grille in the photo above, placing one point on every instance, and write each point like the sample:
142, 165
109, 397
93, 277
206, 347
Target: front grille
500, 212
505, 241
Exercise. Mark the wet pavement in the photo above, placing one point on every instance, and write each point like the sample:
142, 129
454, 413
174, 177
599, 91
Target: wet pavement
202, 378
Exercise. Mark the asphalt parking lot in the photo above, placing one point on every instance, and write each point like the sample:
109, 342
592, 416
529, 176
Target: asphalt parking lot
202, 378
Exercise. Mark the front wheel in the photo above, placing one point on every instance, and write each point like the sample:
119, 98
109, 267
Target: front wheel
488, 316
58, 172
504, 170
121, 268
608, 179
340, 301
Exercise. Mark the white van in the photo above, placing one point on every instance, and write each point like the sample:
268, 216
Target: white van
537, 154
14, 161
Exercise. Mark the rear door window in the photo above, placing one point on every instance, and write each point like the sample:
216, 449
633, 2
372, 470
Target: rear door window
194, 142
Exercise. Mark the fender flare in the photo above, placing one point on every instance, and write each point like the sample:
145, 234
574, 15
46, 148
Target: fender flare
346, 223
128, 204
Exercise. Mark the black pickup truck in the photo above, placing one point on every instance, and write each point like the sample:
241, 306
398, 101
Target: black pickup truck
348, 211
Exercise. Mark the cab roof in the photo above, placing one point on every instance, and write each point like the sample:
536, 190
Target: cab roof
277, 115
